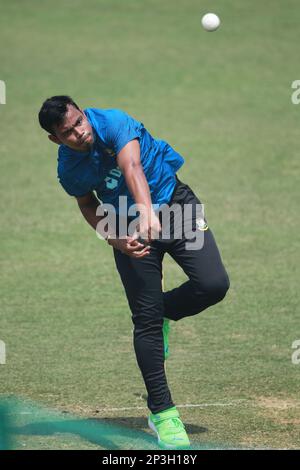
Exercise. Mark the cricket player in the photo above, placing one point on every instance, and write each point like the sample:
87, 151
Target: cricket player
106, 156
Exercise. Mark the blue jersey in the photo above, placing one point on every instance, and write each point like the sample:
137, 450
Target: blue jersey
97, 170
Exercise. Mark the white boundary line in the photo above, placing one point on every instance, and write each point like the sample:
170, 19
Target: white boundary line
199, 405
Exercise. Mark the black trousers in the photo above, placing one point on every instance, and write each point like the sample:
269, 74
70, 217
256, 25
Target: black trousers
142, 279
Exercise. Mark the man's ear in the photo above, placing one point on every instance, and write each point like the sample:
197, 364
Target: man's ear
54, 139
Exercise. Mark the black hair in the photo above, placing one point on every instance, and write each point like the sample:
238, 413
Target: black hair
53, 111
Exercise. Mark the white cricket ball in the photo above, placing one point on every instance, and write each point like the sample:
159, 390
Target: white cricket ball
210, 22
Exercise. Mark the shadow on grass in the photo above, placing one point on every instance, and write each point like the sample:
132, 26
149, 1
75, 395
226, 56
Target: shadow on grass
29, 419
140, 423
106, 433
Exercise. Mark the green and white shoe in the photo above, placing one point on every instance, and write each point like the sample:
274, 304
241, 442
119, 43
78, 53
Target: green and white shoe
169, 429
166, 331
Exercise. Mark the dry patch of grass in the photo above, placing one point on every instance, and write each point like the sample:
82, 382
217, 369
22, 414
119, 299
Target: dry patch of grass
277, 404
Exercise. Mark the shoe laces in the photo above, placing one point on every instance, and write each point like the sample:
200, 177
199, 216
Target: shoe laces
174, 424
177, 423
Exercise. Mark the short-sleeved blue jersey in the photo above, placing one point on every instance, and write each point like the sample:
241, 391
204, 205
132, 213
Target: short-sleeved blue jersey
97, 170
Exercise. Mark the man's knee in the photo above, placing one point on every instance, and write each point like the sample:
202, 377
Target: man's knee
147, 321
220, 288
215, 289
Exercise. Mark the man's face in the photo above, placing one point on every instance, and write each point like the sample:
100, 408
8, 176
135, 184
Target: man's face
75, 131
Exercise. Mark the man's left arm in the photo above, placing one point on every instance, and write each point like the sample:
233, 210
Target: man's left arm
129, 162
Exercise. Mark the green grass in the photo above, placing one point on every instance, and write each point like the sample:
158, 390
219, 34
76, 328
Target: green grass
224, 101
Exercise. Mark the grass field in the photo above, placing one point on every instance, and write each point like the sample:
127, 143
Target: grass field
223, 100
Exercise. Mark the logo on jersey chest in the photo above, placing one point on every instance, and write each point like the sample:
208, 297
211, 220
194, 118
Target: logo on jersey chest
113, 178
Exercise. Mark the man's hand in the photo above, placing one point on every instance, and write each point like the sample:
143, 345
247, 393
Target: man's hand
129, 246
149, 227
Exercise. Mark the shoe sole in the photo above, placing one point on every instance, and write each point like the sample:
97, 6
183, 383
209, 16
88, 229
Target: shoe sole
161, 444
